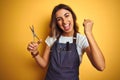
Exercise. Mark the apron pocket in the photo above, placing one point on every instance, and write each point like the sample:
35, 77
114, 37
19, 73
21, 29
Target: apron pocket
67, 59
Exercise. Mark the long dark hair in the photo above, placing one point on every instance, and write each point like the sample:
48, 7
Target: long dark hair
55, 30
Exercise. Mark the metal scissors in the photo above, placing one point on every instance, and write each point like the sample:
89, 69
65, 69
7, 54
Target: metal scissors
33, 32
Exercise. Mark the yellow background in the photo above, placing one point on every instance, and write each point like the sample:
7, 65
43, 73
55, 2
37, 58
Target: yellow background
16, 63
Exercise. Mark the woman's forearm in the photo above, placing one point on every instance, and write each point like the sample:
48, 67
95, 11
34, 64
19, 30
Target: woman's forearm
95, 54
40, 61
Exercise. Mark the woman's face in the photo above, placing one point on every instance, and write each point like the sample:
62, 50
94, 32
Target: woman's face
65, 20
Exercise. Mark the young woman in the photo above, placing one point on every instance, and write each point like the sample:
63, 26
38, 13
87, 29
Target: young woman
65, 46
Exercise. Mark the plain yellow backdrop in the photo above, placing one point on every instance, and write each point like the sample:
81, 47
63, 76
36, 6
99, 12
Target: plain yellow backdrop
16, 16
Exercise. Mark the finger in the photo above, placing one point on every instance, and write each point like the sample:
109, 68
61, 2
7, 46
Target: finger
33, 44
32, 49
29, 48
87, 20
30, 45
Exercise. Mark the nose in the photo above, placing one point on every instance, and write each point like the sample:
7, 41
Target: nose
64, 20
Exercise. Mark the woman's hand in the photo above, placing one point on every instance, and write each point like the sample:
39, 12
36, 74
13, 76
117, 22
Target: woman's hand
88, 24
33, 47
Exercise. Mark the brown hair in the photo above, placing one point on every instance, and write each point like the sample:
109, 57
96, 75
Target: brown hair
55, 30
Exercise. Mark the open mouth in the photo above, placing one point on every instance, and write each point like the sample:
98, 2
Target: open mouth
66, 27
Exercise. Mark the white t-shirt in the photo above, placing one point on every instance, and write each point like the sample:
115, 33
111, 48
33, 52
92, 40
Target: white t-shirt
81, 42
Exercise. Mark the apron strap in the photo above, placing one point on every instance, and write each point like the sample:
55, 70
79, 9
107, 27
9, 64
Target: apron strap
74, 38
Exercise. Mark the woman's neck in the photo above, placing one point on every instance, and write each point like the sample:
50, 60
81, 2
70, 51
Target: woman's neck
68, 34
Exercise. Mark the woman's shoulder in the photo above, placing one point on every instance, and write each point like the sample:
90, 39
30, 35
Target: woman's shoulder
50, 40
82, 40
80, 36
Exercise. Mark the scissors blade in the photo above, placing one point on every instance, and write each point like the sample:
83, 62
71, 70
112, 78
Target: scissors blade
33, 32
32, 29
36, 36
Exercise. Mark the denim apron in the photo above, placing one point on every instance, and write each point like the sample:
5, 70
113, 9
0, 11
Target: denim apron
64, 61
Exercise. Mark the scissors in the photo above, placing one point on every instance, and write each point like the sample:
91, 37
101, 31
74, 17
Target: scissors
33, 32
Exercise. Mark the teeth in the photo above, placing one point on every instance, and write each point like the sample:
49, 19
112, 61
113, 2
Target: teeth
66, 25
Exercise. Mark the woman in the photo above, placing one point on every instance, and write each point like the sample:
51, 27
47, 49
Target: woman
65, 46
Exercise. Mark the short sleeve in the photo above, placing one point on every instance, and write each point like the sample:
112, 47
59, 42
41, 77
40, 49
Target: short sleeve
50, 41
82, 42
85, 43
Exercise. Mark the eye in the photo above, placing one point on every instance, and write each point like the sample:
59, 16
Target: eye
67, 15
58, 19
